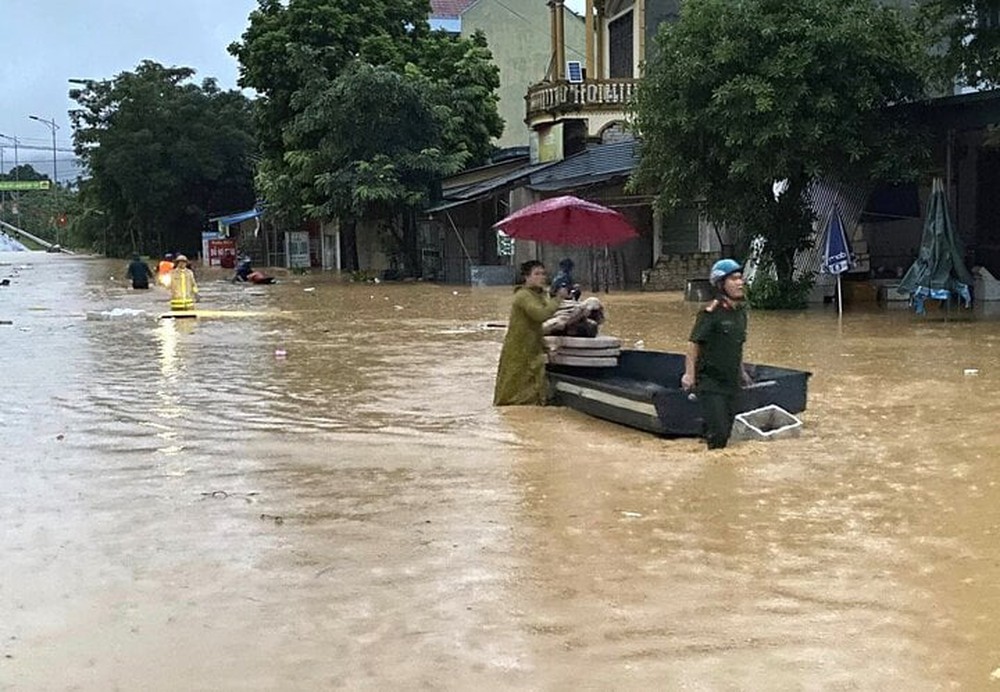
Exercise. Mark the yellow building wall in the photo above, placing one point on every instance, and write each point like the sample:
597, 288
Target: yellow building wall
519, 38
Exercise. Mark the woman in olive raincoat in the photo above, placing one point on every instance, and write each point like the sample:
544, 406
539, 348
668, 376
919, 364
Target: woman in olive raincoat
521, 375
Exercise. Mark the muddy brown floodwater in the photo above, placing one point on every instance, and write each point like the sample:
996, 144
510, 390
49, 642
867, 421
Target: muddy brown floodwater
182, 509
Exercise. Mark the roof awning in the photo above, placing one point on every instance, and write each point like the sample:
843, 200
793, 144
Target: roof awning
577, 182
445, 205
238, 217
602, 163
487, 188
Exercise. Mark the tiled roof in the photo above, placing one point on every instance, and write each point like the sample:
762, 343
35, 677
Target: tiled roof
441, 9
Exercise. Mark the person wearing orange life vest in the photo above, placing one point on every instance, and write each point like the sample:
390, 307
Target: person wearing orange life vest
164, 268
183, 287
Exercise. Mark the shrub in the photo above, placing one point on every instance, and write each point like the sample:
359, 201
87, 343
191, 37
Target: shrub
769, 293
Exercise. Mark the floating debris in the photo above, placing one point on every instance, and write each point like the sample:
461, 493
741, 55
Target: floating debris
117, 314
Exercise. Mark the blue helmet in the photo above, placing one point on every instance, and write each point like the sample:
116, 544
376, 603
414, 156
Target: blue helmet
722, 269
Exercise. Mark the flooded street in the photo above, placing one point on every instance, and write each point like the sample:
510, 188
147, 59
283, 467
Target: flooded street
183, 509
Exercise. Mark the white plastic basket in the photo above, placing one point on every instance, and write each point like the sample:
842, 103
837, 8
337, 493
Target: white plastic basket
768, 423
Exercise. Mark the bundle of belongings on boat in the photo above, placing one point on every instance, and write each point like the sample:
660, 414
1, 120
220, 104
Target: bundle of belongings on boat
571, 336
575, 318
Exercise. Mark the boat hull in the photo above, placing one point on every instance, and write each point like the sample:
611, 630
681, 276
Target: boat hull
643, 391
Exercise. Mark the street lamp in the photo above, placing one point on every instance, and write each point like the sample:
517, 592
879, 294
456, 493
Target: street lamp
53, 127
55, 173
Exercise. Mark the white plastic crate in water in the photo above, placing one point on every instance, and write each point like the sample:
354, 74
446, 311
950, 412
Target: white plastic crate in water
767, 423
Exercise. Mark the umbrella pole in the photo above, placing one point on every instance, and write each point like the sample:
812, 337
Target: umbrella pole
595, 282
840, 299
607, 271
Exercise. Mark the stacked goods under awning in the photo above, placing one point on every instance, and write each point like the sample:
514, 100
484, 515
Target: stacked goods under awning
582, 351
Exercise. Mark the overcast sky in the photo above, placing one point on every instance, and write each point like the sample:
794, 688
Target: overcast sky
44, 44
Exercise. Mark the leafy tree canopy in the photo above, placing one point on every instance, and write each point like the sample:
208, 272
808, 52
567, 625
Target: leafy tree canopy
24, 171
43, 213
743, 94
363, 109
163, 154
967, 33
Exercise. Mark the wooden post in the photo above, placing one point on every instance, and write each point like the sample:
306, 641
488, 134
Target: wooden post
560, 40
640, 7
589, 29
553, 40
600, 19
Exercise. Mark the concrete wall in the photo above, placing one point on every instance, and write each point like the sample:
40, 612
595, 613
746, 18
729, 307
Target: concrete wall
518, 35
672, 272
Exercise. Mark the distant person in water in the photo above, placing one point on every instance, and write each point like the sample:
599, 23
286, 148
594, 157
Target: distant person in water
164, 268
243, 270
183, 288
564, 279
138, 272
245, 273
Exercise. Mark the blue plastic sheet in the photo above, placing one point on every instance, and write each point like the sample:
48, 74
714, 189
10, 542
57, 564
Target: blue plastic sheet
922, 293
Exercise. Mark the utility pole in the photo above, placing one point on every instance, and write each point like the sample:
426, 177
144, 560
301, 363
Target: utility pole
17, 176
55, 171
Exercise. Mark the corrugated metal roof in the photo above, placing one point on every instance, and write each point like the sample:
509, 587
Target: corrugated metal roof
598, 164
238, 217
485, 188
849, 200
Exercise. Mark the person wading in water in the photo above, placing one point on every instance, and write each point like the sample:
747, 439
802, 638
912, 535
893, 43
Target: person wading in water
713, 367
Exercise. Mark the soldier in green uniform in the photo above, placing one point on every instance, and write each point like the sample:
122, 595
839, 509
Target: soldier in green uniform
714, 364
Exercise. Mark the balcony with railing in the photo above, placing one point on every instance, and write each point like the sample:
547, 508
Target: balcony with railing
558, 98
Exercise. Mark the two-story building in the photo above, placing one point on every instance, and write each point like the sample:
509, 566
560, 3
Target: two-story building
579, 114
581, 144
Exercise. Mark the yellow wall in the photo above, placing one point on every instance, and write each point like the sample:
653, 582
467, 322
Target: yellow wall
518, 35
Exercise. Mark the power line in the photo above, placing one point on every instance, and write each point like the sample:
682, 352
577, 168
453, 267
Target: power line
42, 141
34, 161
32, 147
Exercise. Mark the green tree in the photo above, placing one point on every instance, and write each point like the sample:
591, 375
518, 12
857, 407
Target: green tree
43, 213
162, 154
743, 94
362, 110
368, 149
967, 35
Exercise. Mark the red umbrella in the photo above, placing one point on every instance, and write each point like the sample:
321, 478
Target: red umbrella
568, 221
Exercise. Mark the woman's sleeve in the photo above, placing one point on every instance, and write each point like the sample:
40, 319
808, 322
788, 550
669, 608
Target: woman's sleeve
535, 311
